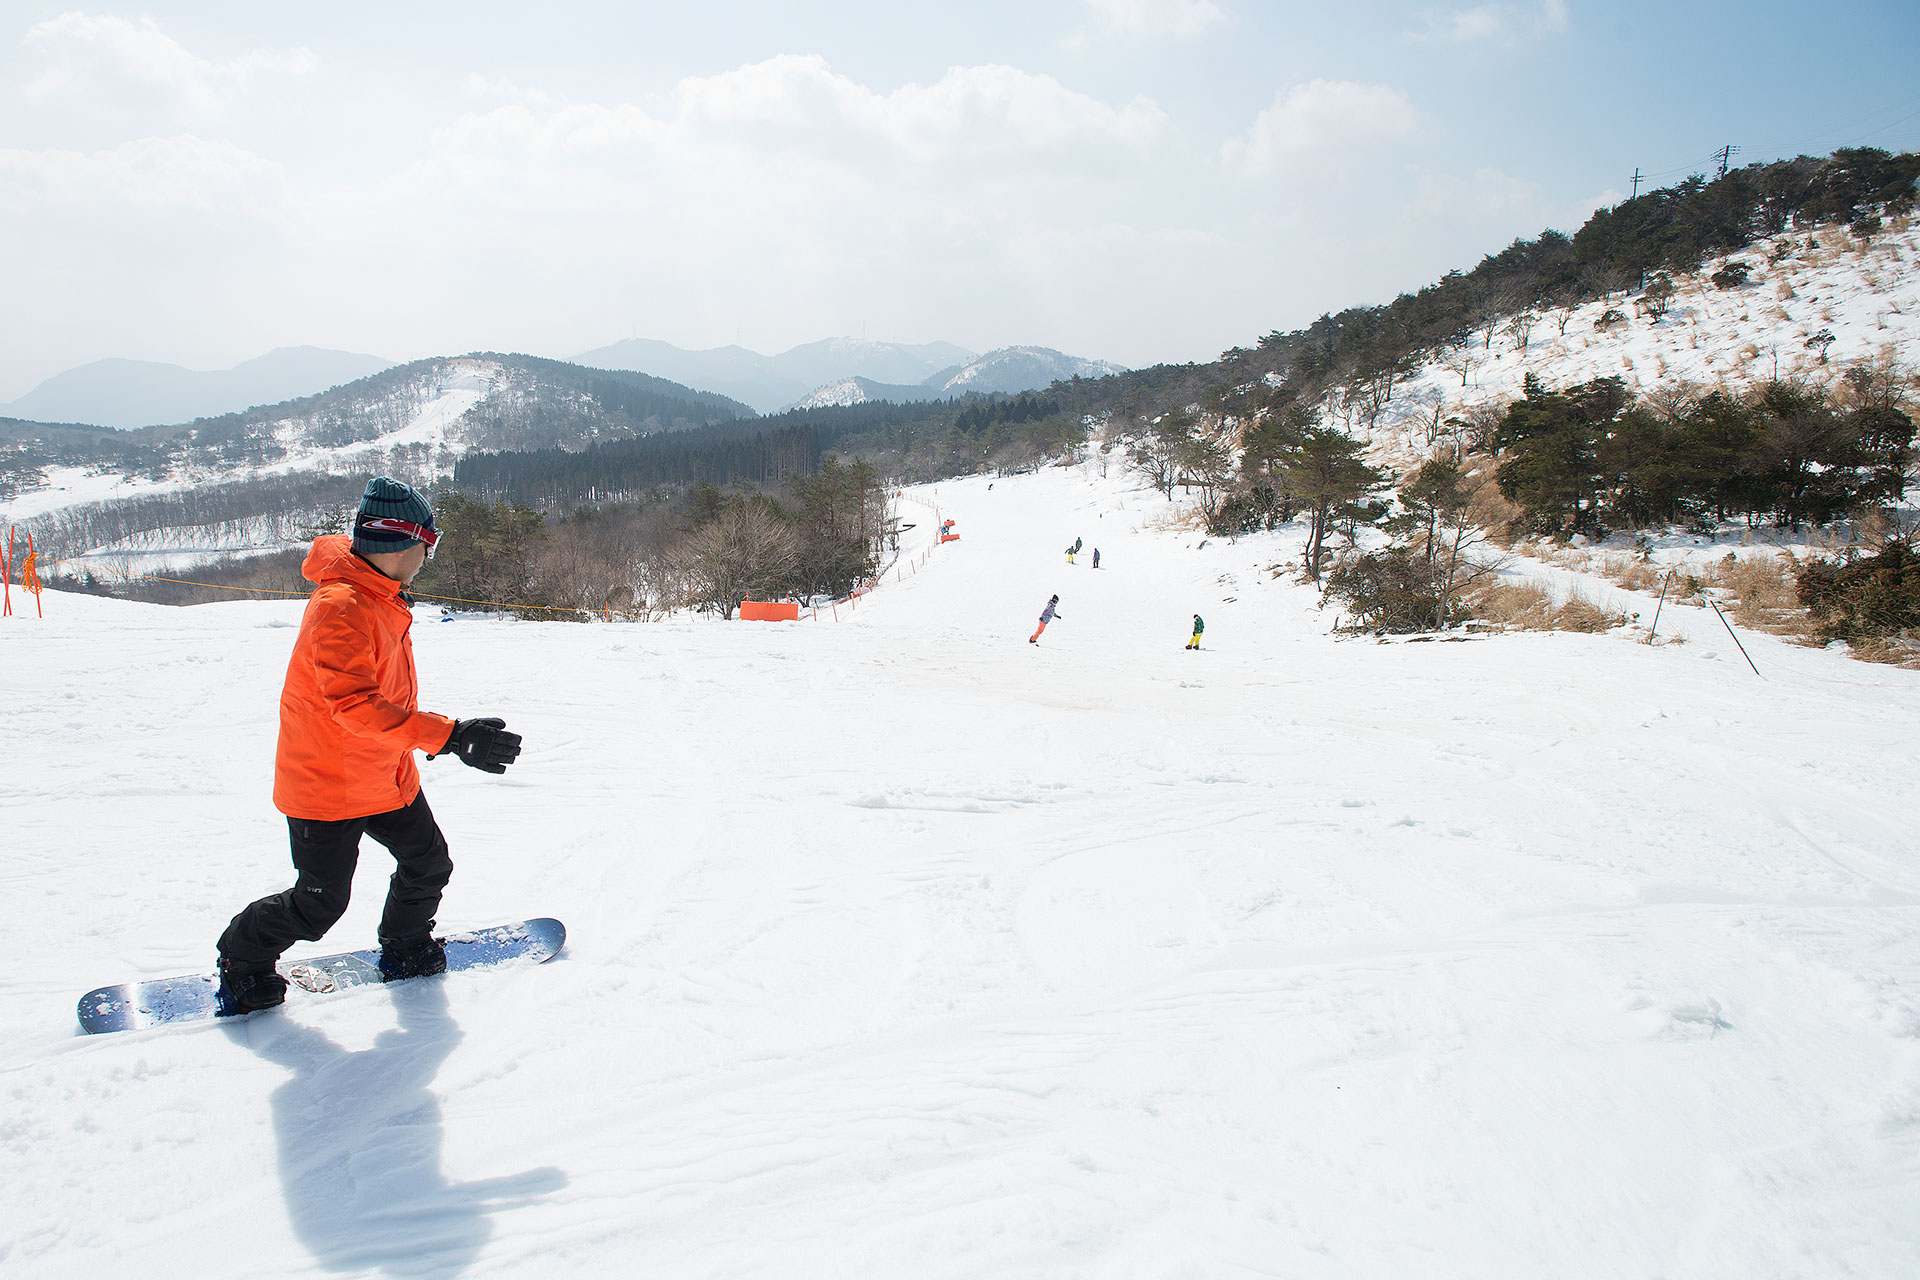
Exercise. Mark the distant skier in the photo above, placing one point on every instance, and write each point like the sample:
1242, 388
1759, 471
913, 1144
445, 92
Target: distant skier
1198, 627
1096, 557
1070, 552
1047, 615
349, 725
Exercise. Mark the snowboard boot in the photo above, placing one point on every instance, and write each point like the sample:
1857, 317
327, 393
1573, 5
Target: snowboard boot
248, 988
420, 957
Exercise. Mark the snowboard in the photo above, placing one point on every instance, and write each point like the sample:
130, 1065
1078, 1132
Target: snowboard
195, 997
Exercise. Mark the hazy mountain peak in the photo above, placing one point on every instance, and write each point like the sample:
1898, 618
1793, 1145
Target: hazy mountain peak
772, 382
136, 393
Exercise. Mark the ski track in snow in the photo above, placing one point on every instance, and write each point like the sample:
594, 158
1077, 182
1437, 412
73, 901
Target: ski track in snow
898, 946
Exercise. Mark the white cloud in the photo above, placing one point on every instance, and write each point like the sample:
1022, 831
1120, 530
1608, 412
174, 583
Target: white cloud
1147, 19
1488, 197
790, 134
108, 63
147, 174
781, 191
1494, 23
482, 87
971, 110
1319, 121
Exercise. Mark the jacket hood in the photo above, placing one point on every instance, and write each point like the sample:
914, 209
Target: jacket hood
331, 559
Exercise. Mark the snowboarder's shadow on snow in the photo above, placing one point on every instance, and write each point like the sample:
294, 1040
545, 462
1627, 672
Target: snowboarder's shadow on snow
360, 1135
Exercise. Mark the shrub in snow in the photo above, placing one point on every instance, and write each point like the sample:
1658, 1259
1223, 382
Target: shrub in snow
1875, 596
1731, 275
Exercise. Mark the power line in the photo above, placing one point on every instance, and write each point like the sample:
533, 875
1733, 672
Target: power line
1846, 124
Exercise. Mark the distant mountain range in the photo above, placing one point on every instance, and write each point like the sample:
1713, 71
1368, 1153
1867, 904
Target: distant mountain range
1007, 371
128, 394
771, 383
845, 370
141, 393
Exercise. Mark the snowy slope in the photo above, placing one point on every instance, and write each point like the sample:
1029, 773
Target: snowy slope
1006, 371
902, 947
1012, 369
1864, 294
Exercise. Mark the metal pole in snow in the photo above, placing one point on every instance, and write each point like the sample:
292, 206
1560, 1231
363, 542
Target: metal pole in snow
1736, 639
1656, 609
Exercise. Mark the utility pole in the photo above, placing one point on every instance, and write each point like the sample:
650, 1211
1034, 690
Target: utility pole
1725, 153
1637, 176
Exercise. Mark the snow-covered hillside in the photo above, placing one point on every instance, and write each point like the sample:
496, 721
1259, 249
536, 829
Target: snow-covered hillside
1814, 303
245, 478
1013, 369
415, 425
902, 947
1005, 371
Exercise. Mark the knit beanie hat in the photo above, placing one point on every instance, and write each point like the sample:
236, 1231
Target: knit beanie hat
386, 503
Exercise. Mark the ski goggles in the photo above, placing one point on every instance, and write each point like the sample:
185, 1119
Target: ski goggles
387, 524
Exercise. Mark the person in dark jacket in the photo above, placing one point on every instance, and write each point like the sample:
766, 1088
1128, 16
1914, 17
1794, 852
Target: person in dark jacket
1096, 557
1198, 627
1047, 615
350, 722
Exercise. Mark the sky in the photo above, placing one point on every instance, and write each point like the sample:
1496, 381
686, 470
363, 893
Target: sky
1130, 180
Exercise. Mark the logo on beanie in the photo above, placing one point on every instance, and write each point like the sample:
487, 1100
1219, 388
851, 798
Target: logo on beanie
392, 517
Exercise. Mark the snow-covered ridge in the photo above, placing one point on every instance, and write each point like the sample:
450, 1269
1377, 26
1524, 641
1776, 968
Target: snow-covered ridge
1031, 367
1814, 303
836, 394
413, 430
1006, 371
414, 424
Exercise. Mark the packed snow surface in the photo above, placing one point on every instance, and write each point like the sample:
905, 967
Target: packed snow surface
899, 946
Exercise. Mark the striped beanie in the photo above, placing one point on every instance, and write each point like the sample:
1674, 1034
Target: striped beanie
386, 500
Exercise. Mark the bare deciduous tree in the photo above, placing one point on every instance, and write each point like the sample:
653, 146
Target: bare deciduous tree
746, 549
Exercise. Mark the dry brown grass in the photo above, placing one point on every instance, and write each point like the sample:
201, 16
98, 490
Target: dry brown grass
1529, 606
1177, 519
1489, 509
1763, 593
1582, 613
1517, 606
1893, 651
1631, 572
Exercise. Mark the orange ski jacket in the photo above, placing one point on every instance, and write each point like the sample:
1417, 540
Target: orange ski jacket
349, 713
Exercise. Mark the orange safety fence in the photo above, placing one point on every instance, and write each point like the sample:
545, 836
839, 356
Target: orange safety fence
28, 570
769, 610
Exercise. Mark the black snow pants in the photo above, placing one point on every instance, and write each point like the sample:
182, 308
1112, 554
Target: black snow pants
324, 855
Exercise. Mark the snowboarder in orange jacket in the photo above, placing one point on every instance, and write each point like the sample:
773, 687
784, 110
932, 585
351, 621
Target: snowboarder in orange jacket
349, 725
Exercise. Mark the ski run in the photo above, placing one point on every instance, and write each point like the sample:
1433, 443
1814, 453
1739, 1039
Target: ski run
898, 946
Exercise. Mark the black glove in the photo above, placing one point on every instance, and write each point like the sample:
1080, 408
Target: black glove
483, 744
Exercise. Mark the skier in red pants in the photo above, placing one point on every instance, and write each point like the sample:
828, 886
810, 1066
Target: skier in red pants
1047, 615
